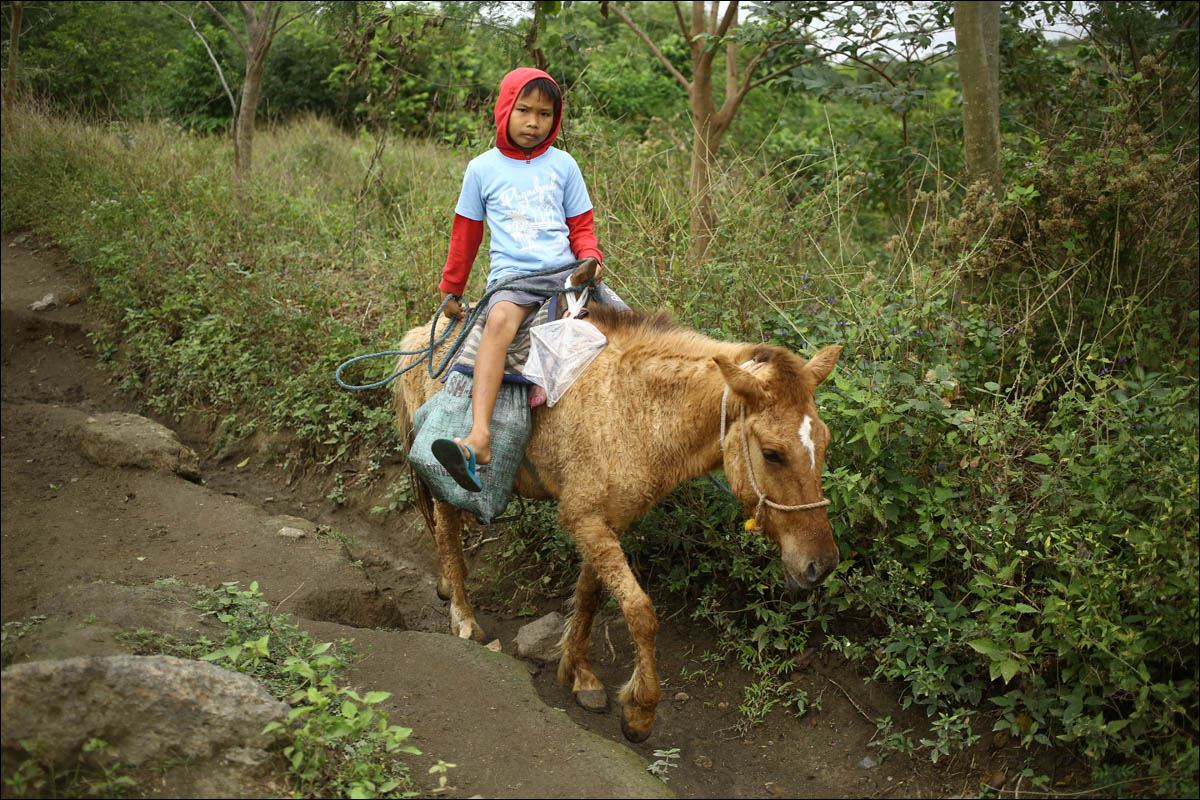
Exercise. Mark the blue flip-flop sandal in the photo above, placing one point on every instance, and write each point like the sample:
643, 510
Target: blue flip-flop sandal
450, 455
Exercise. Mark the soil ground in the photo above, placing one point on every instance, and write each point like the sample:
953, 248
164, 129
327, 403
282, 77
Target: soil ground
90, 553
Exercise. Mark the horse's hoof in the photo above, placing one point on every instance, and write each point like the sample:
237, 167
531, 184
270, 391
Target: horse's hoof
465, 627
595, 700
472, 631
636, 737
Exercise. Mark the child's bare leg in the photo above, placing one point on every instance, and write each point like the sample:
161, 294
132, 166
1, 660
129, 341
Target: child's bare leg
498, 333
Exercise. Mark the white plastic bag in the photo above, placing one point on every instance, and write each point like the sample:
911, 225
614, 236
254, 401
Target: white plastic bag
560, 351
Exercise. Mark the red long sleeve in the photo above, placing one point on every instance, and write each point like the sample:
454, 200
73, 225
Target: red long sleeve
581, 232
465, 238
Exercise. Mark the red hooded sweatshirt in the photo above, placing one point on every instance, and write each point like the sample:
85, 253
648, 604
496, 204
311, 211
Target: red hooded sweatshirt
467, 234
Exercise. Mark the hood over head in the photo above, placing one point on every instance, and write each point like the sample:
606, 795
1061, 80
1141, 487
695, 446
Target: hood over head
510, 90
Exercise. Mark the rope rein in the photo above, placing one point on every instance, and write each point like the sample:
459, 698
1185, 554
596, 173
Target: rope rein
470, 320
763, 500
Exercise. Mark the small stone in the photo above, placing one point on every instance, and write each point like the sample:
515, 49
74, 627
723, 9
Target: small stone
996, 780
494, 646
704, 762
804, 659
247, 756
291, 533
868, 763
682, 697
999, 739
43, 304
539, 639
722, 705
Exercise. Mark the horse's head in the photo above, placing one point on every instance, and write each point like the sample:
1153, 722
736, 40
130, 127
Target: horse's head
774, 446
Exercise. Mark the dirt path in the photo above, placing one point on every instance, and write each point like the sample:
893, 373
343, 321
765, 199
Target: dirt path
89, 552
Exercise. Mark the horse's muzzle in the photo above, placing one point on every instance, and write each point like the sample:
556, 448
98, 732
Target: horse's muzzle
809, 575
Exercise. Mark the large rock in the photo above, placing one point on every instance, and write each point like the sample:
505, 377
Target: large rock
128, 440
144, 707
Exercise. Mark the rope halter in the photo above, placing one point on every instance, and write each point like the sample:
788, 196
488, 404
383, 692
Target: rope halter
763, 500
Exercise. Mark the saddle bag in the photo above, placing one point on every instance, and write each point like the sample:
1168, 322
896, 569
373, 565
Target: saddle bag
448, 414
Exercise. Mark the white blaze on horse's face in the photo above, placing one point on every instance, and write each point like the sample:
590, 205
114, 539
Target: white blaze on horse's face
806, 440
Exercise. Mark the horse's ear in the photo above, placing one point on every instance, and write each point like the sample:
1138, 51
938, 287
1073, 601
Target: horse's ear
742, 382
820, 365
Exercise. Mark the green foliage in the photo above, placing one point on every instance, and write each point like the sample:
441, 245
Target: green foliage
996, 533
399, 496
35, 777
664, 760
13, 632
335, 740
300, 76
98, 57
190, 87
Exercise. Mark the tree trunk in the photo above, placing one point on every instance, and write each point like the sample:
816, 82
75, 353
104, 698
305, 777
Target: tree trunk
977, 35
531, 46
260, 31
709, 123
14, 62
702, 218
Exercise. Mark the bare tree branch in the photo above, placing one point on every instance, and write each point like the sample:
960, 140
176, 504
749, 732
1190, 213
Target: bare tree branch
217, 64
290, 20
776, 73
731, 67
633, 26
683, 29
730, 19
236, 37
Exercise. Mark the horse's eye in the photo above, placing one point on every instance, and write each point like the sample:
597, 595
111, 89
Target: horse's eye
773, 456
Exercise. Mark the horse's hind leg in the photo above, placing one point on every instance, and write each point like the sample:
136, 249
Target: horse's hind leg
573, 667
452, 585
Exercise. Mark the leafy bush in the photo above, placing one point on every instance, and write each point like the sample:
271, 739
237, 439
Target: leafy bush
1031, 547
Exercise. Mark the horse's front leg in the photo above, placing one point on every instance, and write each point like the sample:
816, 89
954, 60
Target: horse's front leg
573, 667
600, 548
452, 584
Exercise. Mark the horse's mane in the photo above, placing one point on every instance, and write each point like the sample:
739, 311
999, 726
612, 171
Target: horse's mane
615, 320
659, 330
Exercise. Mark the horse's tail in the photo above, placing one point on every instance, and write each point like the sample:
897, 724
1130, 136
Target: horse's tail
422, 499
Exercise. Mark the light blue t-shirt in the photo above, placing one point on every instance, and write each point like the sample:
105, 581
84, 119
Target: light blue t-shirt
526, 204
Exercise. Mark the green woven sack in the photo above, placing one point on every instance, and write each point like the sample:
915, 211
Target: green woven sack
448, 414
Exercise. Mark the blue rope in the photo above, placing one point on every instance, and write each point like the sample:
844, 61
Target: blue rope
472, 317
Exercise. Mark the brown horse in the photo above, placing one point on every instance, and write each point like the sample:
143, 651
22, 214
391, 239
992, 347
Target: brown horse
660, 405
